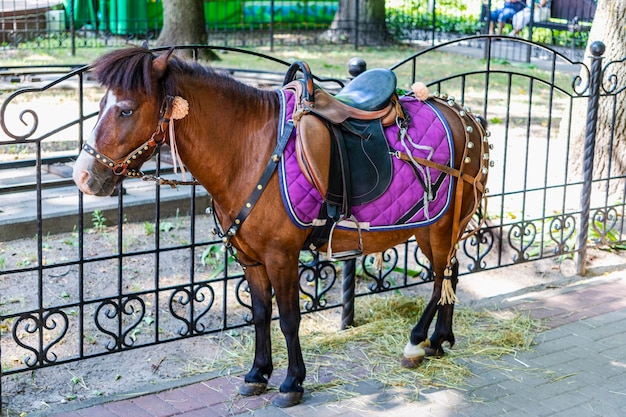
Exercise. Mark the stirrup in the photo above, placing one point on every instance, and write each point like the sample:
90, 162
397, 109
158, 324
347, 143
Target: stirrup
349, 254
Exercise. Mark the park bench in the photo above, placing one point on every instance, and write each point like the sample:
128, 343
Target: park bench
573, 16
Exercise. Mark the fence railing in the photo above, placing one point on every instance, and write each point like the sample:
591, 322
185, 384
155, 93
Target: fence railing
251, 23
140, 269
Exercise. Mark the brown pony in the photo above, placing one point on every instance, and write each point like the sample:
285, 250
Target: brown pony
225, 134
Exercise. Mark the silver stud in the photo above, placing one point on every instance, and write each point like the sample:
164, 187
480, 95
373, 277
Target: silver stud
486, 156
469, 129
492, 164
485, 170
468, 159
470, 144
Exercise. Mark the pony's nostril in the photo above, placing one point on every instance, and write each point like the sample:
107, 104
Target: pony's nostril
81, 178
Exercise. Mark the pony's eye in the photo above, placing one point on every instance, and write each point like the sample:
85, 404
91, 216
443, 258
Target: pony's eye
126, 113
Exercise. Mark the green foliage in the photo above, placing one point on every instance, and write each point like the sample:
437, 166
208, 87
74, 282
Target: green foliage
98, 220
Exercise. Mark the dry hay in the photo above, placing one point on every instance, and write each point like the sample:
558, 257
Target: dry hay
371, 350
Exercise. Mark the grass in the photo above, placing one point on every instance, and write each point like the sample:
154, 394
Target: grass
373, 347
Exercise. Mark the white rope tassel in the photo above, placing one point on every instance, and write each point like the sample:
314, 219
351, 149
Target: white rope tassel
180, 109
447, 291
176, 161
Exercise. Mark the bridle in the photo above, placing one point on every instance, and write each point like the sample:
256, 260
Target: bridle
130, 164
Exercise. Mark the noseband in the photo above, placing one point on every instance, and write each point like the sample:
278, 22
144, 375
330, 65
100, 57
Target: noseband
136, 158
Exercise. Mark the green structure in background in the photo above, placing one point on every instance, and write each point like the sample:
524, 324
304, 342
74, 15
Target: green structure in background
223, 14
127, 17
135, 16
120, 17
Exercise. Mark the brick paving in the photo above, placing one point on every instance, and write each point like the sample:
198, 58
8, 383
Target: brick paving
576, 369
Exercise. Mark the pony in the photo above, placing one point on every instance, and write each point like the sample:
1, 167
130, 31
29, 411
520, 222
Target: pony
225, 134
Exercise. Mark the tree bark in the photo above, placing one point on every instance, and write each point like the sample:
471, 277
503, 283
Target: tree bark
608, 28
183, 24
371, 26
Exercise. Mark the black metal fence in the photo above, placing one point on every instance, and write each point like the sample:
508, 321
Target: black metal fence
237, 23
141, 268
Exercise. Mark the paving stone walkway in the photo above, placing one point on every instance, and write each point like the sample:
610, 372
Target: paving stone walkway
577, 368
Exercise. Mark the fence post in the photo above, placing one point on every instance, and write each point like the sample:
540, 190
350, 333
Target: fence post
72, 28
433, 22
272, 5
348, 288
597, 49
356, 25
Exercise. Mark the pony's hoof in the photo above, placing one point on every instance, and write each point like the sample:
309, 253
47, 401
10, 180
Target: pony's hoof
435, 353
413, 362
414, 354
287, 399
249, 389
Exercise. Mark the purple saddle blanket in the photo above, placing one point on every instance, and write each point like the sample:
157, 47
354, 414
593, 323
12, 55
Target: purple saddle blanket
405, 203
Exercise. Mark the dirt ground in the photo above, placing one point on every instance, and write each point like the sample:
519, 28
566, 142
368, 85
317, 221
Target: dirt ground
153, 368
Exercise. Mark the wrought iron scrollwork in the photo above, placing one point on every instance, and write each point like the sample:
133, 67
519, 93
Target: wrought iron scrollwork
481, 243
562, 229
521, 238
580, 85
320, 275
42, 325
611, 84
117, 311
380, 274
27, 114
196, 302
604, 223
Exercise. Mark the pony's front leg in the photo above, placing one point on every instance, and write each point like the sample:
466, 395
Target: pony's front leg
255, 381
287, 292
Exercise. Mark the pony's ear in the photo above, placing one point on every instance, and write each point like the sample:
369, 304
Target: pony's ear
159, 64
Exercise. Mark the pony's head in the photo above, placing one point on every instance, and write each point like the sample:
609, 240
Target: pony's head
134, 115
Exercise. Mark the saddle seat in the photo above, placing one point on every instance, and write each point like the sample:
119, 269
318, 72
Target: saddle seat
366, 97
370, 90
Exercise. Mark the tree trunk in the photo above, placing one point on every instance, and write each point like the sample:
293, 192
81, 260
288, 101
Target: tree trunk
608, 28
183, 24
371, 26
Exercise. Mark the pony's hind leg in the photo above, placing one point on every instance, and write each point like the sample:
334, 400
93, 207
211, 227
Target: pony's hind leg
435, 244
443, 327
255, 381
